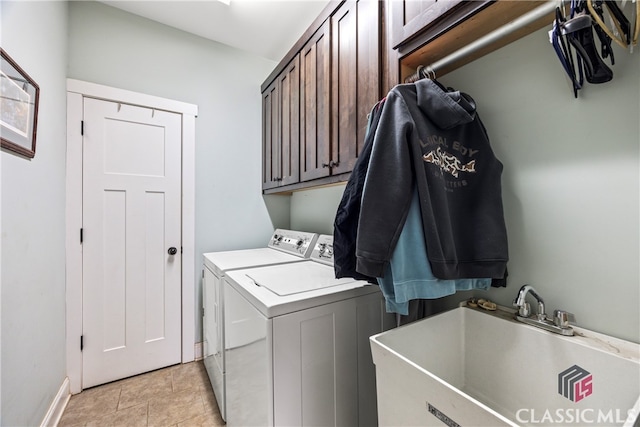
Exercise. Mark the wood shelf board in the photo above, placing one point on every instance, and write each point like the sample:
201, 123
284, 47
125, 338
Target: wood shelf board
490, 19
312, 184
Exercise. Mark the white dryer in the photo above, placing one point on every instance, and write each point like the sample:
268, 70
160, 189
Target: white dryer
285, 246
297, 347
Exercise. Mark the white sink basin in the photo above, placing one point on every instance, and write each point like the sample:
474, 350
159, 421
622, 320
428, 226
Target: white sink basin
470, 367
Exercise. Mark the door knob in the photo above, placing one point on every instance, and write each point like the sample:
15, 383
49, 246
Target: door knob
172, 251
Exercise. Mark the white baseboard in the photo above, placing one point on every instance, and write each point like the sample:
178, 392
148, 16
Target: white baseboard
52, 418
197, 349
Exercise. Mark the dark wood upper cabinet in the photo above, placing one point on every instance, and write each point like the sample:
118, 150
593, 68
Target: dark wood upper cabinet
412, 17
339, 82
289, 83
340, 86
416, 22
281, 128
355, 79
270, 136
315, 114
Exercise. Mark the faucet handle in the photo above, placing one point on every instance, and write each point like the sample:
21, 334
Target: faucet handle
524, 310
541, 315
562, 318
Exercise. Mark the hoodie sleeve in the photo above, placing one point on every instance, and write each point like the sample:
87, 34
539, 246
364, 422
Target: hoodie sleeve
387, 189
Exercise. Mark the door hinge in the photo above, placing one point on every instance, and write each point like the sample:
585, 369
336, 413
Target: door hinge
81, 127
81, 235
81, 342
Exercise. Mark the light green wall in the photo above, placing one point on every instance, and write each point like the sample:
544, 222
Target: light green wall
115, 48
570, 182
34, 34
315, 210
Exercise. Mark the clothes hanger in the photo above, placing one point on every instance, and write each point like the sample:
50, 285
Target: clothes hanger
415, 76
430, 73
597, 14
422, 72
636, 31
620, 20
605, 41
595, 69
605, 44
578, 20
563, 51
567, 68
582, 40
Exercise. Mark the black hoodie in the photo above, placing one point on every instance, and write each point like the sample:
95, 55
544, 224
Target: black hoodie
434, 139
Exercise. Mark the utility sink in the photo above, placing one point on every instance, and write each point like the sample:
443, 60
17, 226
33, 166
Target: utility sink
472, 367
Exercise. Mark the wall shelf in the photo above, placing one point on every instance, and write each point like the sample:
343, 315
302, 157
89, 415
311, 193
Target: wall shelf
448, 39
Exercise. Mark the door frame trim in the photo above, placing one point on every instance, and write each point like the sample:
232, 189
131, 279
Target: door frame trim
76, 90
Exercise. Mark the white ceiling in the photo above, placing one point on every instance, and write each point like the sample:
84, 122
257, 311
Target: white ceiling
267, 28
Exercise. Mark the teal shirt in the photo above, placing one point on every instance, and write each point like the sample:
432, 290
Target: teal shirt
408, 275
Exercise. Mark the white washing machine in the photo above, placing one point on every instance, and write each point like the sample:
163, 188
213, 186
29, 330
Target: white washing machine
297, 347
285, 246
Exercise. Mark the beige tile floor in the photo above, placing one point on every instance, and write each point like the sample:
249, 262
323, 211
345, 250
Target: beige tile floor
179, 396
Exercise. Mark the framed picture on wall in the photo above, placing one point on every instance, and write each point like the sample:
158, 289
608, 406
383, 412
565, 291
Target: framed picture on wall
19, 96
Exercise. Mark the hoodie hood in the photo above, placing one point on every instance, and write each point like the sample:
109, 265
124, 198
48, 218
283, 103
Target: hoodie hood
445, 109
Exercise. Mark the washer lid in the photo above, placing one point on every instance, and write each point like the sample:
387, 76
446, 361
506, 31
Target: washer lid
296, 279
219, 262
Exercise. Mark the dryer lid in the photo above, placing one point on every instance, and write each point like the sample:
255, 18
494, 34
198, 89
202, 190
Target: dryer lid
296, 278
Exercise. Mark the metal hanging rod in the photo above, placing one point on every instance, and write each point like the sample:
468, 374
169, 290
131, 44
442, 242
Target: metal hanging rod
505, 30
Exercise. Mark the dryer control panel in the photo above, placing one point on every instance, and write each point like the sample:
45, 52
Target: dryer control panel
300, 243
323, 250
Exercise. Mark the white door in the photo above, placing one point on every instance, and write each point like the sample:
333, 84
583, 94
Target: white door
131, 222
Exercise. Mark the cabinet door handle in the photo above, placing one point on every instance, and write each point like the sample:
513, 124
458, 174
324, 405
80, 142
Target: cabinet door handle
331, 164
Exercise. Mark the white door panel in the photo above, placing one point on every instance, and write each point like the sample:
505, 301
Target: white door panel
131, 217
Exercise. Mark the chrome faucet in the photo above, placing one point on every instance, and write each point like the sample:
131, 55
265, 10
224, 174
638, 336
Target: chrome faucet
524, 309
560, 322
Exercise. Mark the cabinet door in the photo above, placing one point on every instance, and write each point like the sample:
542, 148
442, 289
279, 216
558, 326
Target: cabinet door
270, 135
315, 105
411, 17
315, 366
289, 84
281, 128
355, 79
